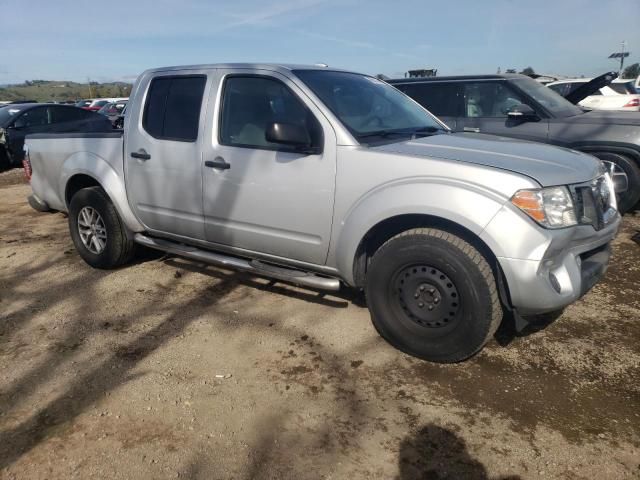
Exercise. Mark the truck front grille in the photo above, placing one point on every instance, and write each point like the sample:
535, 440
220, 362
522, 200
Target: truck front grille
594, 203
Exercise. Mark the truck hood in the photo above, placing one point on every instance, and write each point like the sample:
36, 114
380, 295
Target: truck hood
606, 117
546, 164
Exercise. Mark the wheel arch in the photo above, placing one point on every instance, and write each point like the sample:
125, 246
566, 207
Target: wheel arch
386, 229
84, 170
78, 182
630, 150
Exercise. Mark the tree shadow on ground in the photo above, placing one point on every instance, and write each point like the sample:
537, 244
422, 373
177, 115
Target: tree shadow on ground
106, 375
437, 453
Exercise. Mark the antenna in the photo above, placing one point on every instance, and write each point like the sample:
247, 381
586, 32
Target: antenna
621, 55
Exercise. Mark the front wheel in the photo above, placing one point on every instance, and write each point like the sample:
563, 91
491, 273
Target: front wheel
97, 231
433, 295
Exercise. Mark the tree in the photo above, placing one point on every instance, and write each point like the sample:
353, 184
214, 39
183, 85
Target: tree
527, 71
632, 71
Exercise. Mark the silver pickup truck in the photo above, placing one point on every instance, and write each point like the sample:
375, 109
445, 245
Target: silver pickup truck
322, 177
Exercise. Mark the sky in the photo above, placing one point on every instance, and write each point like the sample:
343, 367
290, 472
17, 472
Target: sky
116, 39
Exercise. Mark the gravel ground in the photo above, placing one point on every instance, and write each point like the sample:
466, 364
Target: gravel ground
173, 369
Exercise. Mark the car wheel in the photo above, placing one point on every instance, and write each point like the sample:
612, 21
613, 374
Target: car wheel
97, 231
433, 295
626, 200
5, 163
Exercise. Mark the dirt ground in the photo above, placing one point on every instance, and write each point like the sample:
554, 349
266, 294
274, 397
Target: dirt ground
173, 369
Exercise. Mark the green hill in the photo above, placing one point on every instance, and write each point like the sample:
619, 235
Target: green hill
48, 90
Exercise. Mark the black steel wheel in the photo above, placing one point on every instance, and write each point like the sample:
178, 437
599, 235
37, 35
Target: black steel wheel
433, 295
427, 296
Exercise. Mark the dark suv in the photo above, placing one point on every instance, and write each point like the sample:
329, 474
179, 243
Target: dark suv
519, 107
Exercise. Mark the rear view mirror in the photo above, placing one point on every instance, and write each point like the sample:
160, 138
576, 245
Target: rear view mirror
288, 134
522, 112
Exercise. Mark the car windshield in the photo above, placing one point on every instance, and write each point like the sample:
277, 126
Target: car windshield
107, 108
7, 113
552, 101
625, 88
369, 107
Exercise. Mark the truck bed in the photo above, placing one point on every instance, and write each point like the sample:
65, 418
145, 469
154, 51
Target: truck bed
54, 155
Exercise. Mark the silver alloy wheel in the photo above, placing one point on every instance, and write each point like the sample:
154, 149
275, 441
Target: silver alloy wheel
92, 231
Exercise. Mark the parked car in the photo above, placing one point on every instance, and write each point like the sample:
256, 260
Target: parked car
119, 122
98, 103
84, 103
519, 107
19, 120
321, 177
113, 112
613, 96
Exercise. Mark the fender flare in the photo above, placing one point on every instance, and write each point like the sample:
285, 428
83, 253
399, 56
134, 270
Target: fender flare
96, 167
465, 204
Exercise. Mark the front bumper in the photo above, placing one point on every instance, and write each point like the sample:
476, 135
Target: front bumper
574, 261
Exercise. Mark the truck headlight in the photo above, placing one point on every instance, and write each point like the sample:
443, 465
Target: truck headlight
551, 207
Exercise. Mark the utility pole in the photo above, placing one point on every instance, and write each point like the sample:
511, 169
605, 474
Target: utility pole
621, 55
89, 83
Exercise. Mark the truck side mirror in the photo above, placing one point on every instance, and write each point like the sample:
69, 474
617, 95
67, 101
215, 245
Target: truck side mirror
523, 113
288, 134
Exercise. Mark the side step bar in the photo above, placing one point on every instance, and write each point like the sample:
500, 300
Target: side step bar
256, 267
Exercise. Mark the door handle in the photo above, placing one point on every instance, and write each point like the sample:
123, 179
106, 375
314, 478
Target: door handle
471, 129
141, 154
218, 163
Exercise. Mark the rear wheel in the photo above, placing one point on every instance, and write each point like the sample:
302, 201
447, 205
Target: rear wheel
626, 200
5, 164
433, 295
97, 231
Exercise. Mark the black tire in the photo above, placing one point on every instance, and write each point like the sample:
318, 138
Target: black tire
5, 164
628, 200
119, 246
467, 313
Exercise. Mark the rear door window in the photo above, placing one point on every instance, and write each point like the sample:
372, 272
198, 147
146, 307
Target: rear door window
441, 99
67, 114
489, 99
172, 109
35, 117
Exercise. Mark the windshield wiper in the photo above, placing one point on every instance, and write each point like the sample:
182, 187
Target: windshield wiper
422, 131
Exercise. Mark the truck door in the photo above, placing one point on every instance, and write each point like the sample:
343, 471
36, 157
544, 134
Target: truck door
262, 196
486, 106
162, 151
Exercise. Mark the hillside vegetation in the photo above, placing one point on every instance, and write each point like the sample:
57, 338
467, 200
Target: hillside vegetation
48, 90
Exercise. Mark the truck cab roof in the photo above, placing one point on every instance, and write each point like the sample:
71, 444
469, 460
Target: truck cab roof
274, 67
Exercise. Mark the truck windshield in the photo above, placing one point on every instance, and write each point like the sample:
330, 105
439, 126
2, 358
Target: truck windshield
370, 108
555, 103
